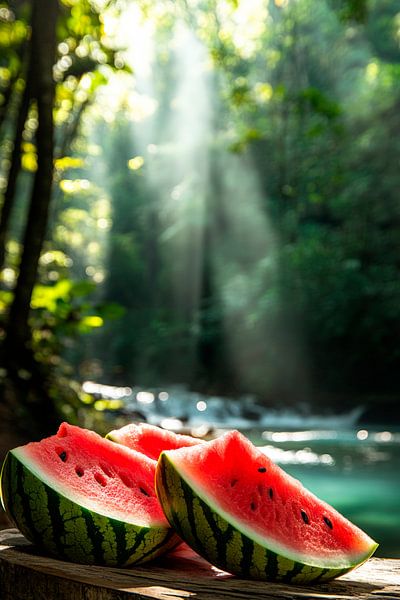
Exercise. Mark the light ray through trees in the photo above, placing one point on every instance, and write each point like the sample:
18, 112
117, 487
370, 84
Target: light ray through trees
212, 232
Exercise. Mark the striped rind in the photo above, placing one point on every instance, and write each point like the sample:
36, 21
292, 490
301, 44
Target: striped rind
69, 531
221, 542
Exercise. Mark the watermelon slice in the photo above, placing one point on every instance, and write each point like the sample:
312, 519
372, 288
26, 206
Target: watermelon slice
244, 514
82, 498
149, 439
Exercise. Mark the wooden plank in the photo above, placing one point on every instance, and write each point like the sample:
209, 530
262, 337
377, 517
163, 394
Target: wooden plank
27, 575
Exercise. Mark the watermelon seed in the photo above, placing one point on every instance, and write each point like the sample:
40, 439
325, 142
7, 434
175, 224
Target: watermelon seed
328, 522
305, 517
106, 470
253, 505
79, 471
100, 479
262, 470
271, 493
145, 492
62, 455
125, 480
234, 482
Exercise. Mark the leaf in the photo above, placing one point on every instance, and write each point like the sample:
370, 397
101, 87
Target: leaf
82, 288
92, 321
68, 162
111, 310
46, 296
29, 162
136, 163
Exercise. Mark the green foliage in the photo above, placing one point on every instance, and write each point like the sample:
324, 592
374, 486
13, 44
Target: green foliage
61, 313
352, 10
297, 271
311, 109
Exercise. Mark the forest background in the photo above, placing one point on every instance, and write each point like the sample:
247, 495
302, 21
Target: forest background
229, 221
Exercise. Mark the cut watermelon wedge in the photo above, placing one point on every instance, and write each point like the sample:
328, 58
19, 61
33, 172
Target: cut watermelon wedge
150, 440
83, 498
244, 514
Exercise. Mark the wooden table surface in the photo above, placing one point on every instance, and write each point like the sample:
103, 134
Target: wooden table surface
27, 575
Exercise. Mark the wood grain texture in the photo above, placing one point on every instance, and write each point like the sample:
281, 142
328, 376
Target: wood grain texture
27, 575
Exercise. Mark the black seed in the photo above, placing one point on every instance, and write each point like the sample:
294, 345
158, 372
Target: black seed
253, 505
305, 517
234, 482
145, 492
271, 493
63, 456
79, 471
328, 522
262, 470
106, 469
101, 480
126, 480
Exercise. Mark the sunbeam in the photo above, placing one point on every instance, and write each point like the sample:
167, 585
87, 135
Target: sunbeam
208, 213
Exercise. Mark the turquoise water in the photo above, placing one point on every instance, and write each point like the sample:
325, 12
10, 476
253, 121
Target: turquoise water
358, 472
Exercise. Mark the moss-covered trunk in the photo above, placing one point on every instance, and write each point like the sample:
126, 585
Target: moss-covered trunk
44, 18
24, 385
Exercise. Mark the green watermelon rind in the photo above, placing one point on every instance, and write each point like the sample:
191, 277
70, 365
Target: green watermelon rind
65, 529
226, 543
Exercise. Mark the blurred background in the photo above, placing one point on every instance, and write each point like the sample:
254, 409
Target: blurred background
199, 228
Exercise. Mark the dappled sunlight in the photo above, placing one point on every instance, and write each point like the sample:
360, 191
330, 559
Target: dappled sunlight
215, 232
107, 391
199, 227
201, 177
244, 23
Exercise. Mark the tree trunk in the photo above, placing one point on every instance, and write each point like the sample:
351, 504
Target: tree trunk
7, 93
72, 129
15, 167
44, 19
6, 107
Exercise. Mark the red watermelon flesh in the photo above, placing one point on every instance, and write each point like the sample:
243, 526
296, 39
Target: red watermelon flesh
243, 485
150, 440
97, 474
